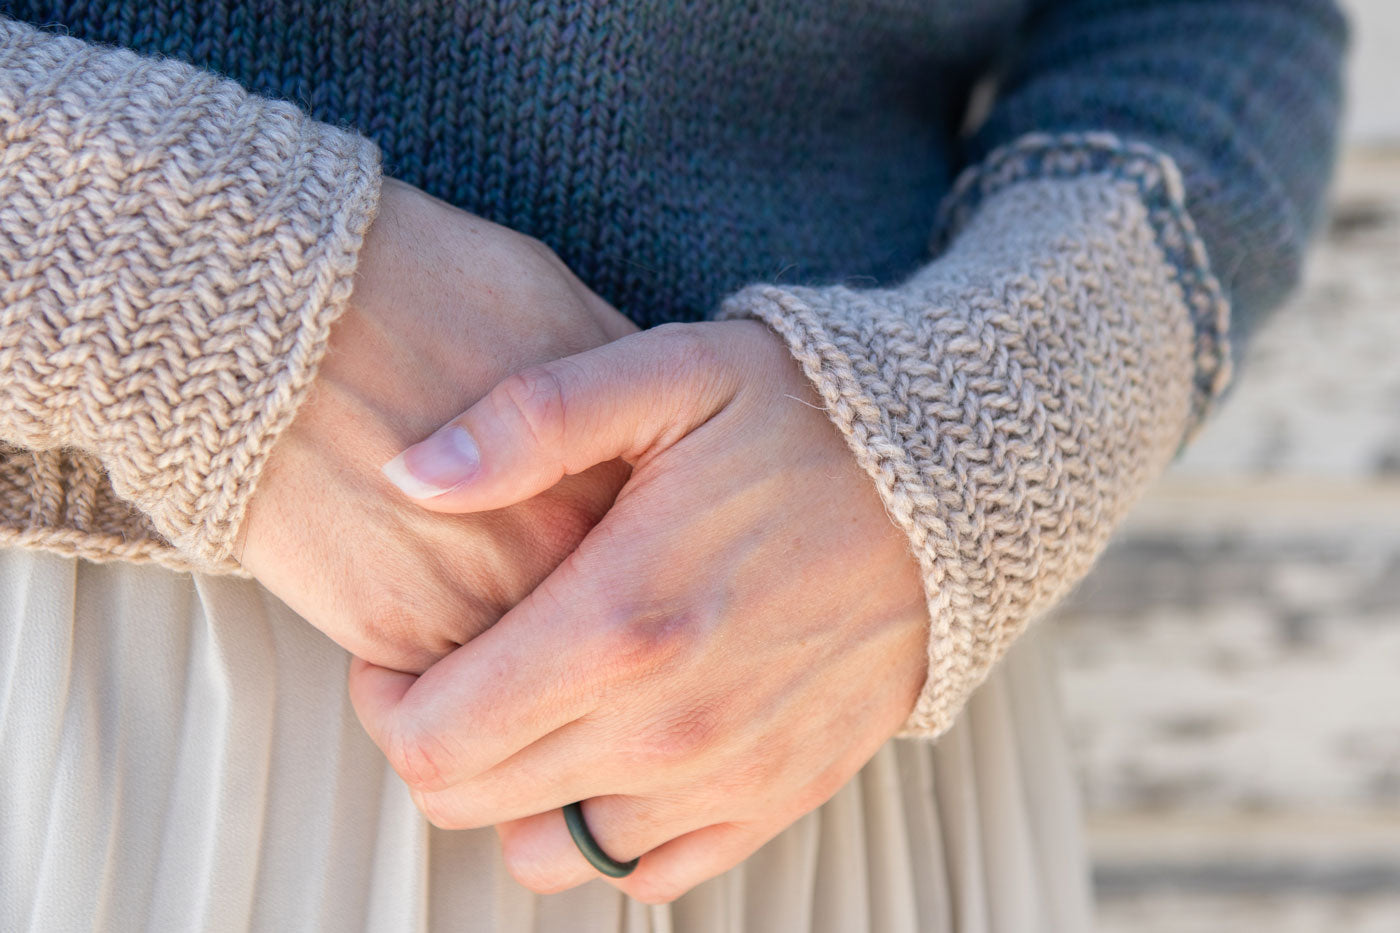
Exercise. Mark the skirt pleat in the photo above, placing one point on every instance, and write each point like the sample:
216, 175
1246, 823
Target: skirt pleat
178, 753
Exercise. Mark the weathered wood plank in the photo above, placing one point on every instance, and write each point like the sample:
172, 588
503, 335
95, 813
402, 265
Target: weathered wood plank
1233, 664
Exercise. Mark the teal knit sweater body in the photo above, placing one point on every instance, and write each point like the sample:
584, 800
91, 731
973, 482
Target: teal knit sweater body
1014, 313
673, 152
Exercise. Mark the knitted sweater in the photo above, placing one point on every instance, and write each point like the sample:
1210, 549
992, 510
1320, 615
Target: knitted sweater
175, 250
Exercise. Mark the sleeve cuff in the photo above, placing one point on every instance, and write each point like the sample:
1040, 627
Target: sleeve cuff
178, 250
1159, 186
1015, 397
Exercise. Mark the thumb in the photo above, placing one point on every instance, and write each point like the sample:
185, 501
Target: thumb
629, 398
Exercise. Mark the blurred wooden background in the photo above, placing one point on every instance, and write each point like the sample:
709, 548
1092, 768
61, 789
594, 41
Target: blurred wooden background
1231, 669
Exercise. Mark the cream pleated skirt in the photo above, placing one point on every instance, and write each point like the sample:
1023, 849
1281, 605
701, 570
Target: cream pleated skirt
177, 754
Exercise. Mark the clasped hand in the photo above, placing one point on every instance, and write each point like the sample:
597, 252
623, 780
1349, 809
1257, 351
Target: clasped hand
739, 631
723, 651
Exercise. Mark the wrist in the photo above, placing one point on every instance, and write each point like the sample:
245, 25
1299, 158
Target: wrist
445, 305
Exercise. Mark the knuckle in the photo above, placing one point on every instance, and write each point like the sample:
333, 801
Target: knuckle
674, 739
421, 758
683, 347
698, 377
390, 623
685, 735
402, 629
649, 641
537, 246
535, 398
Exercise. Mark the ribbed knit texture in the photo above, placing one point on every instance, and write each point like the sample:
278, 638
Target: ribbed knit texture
173, 254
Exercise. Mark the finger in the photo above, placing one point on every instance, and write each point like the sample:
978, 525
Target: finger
673, 868
542, 855
623, 399
376, 692
526, 676
549, 661
571, 763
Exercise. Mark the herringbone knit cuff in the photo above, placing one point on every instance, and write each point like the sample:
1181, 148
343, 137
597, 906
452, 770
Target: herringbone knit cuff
1015, 396
174, 252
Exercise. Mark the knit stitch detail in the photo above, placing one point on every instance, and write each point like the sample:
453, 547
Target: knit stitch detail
61, 501
1010, 401
174, 252
1159, 184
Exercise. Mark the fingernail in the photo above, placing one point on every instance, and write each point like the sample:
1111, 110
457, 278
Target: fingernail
443, 462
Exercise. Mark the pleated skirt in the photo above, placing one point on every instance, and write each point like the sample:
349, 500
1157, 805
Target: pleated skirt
177, 754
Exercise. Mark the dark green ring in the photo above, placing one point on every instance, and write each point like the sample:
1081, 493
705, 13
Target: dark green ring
605, 863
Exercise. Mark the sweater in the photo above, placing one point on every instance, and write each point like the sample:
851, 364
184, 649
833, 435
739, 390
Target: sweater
1014, 317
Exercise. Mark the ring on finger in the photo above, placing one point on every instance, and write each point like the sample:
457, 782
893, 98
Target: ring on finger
583, 838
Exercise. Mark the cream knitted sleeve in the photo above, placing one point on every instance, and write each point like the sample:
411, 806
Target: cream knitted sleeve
1014, 397
172, 254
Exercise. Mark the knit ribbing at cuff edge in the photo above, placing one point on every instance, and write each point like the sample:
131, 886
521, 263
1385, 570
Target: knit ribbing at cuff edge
1163, 193
352, 178
857, 416
101, 548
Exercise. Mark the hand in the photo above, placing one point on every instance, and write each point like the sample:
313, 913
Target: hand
732, 642
445, 304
